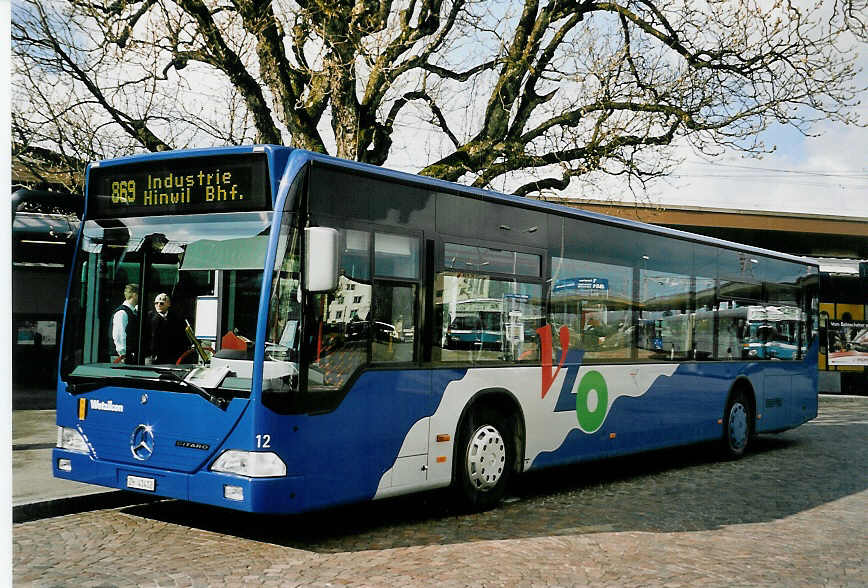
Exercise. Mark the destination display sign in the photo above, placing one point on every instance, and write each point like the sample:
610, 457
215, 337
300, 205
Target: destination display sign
199, 185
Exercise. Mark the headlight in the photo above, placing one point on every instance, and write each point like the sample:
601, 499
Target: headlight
71, 440
252, 464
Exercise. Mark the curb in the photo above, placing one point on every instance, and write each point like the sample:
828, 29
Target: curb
56, 507
842, 398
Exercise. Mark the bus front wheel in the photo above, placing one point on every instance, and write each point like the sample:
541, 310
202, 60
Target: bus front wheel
486, 453
737, 426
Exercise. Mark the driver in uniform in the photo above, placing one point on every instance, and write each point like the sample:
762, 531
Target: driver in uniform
167, 340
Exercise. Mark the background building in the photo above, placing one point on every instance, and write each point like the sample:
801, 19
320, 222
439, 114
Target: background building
45, 221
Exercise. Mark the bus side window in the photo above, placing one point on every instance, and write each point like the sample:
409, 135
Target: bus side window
394, 303
335, 348
394, 326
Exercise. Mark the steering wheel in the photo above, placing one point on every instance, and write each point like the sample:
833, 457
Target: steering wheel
185, 356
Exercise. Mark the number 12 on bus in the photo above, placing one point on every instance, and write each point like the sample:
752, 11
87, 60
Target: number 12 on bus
357, 333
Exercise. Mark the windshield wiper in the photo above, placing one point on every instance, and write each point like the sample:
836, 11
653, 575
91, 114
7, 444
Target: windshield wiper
171, 376
82, 385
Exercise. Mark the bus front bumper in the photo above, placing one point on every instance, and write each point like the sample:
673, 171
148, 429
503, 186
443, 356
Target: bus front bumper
263, 495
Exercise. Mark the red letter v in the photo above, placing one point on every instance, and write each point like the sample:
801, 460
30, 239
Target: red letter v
545, 347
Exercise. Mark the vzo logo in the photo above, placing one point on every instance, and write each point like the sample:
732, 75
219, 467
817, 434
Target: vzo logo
592, 396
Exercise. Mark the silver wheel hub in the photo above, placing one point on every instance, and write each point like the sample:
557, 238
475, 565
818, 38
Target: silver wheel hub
738, 426
486, 458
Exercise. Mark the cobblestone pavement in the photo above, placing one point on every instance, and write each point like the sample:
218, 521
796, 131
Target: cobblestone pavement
793, 512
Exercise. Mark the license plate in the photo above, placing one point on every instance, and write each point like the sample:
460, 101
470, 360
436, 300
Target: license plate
140, 483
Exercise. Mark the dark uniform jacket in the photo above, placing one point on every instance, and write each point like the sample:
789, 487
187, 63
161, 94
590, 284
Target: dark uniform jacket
166, 338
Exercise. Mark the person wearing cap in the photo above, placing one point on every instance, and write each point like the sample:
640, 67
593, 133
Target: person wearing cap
166, 338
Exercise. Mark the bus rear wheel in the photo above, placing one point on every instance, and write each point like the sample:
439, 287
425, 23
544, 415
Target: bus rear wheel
484, 462
737, 426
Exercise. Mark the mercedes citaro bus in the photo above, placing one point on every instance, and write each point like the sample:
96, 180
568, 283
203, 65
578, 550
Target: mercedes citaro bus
322, 365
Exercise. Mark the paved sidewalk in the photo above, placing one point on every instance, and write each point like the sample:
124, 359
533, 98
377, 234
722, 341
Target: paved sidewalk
36, 493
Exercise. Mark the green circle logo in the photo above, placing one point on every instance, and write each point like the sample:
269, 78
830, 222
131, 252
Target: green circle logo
591, 419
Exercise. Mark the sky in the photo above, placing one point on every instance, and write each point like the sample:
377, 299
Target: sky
825, 174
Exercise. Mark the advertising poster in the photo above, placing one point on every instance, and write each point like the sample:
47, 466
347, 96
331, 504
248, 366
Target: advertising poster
848, 342
37, 333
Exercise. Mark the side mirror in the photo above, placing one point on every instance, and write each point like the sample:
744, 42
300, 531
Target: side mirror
322, 259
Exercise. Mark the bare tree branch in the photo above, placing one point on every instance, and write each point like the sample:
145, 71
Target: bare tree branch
527, 94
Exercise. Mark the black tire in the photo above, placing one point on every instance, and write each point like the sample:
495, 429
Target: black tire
738, 426
484, 458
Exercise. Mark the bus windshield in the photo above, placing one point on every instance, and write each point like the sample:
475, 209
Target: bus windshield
155, 297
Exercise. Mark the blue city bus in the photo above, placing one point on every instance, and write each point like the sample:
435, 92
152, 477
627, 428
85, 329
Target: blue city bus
316, 367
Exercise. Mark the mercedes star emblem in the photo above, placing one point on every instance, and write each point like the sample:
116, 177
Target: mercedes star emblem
142, 442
